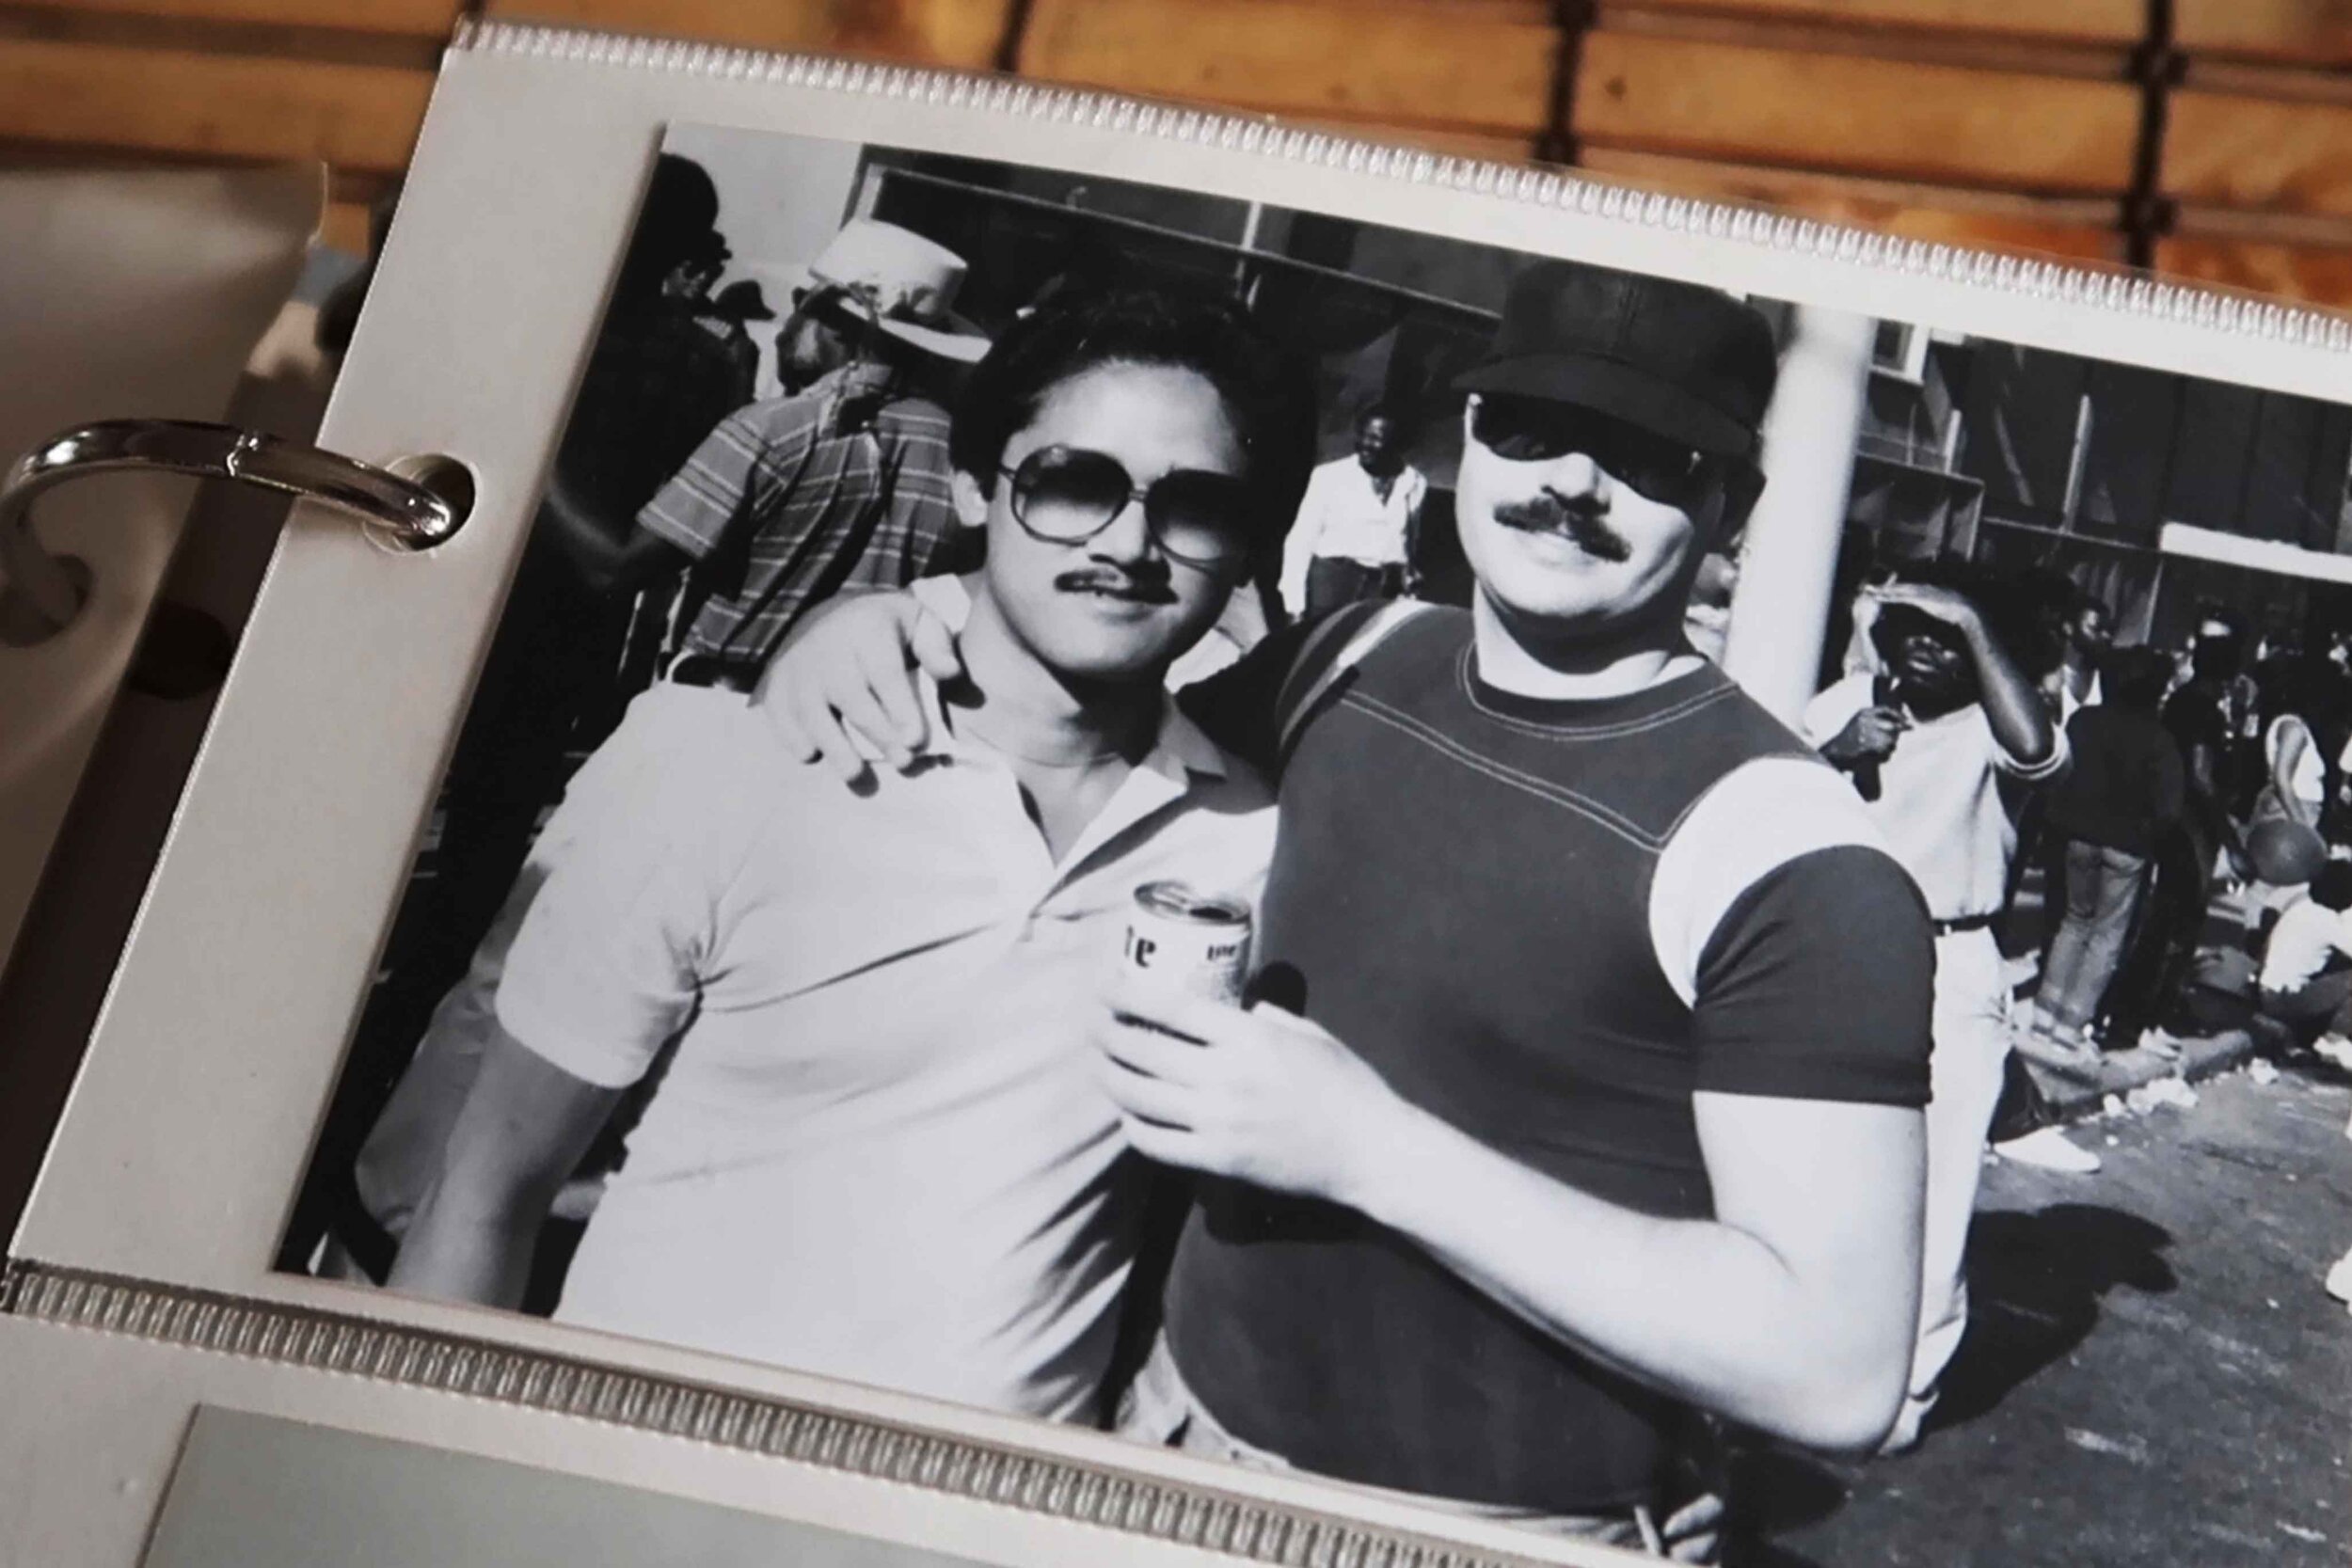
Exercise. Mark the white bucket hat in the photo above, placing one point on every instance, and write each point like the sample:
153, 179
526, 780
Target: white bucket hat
903, 283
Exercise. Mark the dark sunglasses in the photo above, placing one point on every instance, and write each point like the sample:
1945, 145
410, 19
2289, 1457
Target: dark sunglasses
1537, 430
1068, 494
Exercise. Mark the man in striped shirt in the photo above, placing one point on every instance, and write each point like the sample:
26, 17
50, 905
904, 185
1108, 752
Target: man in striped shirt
845, 485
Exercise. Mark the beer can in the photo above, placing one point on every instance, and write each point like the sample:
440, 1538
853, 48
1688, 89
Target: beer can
1188, 942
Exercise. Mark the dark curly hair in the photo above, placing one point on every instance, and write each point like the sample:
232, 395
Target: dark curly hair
1267, 392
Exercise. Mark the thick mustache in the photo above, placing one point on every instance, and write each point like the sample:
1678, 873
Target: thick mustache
1579, 522
1149, 590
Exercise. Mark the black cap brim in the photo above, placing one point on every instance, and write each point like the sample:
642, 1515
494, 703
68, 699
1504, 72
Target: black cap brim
1619, 390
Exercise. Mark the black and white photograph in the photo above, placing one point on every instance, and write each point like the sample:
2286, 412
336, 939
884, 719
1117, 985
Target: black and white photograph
1705, 925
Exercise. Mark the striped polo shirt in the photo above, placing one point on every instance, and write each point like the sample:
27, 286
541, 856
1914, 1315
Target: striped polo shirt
791, 500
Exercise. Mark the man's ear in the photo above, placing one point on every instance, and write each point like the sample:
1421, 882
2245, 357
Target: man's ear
971, 500
1741, 490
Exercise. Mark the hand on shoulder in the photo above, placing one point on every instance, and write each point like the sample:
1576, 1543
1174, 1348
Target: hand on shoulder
842, 691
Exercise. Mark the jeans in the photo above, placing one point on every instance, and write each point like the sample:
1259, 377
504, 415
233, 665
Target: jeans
1160, 1408
2103, 889
2320, 1005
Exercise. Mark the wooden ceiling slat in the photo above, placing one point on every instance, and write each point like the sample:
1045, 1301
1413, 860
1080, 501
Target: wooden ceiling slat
220, 105
965, 34
1487, 68
1841, 112
2290, 32
432, 19
2230, 151
2121, 22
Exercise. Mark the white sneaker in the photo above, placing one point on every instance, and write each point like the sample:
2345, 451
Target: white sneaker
2047, 1148
2334, 1047
2339, 1281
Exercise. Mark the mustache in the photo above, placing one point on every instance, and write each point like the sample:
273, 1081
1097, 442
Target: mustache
1579, 521
1151, 588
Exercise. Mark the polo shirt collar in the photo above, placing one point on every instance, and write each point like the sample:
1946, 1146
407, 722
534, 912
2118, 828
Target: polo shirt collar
1182, 746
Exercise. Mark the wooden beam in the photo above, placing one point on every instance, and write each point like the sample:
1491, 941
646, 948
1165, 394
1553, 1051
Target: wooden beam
2122, 22
2230, 151
2274, 83
2082, 229
2098, 59
964, 34
1468, 66
2292, 32
1927, 123
214, 106
414, 18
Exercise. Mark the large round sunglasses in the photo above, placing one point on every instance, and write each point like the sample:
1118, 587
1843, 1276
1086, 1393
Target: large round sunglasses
1537, 430
1068, 494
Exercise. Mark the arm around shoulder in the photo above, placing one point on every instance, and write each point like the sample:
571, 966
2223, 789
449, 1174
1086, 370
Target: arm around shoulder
843, 687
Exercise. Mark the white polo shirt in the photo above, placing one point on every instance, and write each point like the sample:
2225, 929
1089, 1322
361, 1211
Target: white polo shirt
878, 1150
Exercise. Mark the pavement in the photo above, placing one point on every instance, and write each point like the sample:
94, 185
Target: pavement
2073, 1098
2152, 1373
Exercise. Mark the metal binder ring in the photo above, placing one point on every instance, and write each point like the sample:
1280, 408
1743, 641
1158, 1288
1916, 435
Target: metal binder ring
411, 510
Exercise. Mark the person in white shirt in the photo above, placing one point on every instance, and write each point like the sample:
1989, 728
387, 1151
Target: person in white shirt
2307, 964
1359, 526
1926, 744
878, 1147
2085, 637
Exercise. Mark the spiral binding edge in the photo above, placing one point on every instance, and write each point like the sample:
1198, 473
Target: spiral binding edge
1104, 1496
2125, 292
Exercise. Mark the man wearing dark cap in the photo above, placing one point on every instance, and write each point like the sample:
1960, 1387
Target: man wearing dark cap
1559, 1119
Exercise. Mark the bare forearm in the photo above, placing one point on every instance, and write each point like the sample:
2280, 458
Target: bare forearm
522, 1129
2019, 717
1703, 1309
610, 557
457, 1250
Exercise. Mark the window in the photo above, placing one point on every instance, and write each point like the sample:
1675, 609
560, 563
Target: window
1900, 352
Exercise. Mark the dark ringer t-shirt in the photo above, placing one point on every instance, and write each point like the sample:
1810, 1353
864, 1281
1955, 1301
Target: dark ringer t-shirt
1547, 922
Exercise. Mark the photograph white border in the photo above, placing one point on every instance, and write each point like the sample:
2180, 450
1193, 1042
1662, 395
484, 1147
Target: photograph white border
217, 1053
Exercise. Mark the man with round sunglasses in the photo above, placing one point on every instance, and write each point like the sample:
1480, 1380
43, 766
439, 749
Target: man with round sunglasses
877, 1149
1581, 1095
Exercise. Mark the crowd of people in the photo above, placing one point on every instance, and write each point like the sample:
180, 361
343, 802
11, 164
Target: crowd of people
1556, 1137
2204, 809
